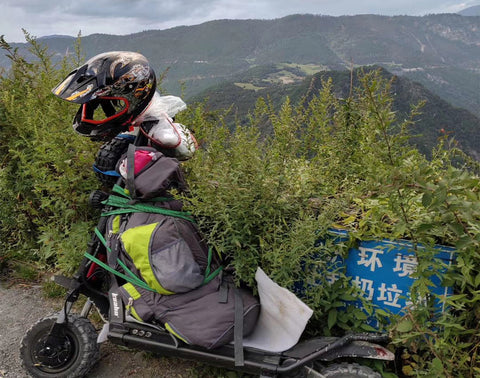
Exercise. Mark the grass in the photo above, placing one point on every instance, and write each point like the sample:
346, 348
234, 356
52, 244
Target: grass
249, 86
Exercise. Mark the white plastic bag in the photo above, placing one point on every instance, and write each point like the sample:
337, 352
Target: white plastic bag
167, 134
283, 317
171, 105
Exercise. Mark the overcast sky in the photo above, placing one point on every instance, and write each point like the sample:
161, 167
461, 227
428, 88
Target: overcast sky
69, 17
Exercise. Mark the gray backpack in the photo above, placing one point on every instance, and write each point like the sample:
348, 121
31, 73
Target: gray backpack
171, 276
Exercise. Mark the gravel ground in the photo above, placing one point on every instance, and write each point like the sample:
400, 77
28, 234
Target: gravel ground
22, 305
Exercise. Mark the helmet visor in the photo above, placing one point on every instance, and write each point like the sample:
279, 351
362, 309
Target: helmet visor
104, 109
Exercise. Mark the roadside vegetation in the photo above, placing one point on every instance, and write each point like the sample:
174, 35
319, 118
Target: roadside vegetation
265, 200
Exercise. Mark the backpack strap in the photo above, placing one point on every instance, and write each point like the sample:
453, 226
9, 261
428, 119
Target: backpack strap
125, 205
238, 328
208, 274
130, 180
111, 173
132, 278
227, 284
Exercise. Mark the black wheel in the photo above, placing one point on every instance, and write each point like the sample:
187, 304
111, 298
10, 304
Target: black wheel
346, 370
107, 157
72, 356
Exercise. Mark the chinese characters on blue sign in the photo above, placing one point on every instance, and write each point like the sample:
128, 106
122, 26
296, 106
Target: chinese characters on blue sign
383, 271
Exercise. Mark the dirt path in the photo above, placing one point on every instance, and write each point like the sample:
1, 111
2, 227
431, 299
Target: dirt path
23, 305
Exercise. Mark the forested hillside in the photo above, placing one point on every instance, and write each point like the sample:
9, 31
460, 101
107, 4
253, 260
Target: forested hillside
277, 82
440, 51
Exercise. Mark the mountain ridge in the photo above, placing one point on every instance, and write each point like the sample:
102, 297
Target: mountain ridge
470, 11
442, 52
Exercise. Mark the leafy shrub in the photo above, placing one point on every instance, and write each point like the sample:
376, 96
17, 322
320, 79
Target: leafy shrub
265, 201
45, 171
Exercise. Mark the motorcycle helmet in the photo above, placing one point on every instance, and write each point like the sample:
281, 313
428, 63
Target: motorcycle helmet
112, 88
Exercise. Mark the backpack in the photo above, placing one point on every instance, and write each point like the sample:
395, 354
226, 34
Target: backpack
171, 276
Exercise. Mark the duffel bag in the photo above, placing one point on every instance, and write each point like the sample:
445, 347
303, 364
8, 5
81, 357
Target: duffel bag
204, 316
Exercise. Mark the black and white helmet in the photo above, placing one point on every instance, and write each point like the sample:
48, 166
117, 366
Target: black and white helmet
119, 83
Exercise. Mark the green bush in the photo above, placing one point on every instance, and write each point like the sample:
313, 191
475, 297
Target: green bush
45, 170
265, 200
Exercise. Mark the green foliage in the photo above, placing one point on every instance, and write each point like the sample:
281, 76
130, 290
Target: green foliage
265, 201
51, 289
45, 170
24, 271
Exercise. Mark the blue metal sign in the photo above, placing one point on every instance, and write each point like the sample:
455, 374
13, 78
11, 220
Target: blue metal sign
383, 271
